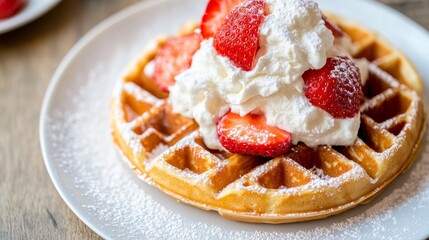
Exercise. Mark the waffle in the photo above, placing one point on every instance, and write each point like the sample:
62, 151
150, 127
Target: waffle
167, 151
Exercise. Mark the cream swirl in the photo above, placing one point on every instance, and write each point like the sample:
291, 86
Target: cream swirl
293, 39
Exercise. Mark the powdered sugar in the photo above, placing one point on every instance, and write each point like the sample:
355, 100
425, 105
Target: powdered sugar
344, 72
157, 151
319, 172
126, 208
262, 137
116, 202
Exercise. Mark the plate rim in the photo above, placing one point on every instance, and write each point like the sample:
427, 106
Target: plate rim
87, 38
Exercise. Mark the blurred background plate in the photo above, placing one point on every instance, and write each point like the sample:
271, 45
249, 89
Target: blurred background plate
101, 189
32, 9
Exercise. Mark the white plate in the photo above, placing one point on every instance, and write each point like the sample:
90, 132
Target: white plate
32, 10
110, 199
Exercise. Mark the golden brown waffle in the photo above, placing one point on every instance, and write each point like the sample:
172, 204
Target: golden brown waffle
167, 151
377, 50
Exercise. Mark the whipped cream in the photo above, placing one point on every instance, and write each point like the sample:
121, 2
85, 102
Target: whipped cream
293, 39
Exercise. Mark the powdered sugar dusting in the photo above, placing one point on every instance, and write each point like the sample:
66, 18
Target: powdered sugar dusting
344, 72
157, 151
109, 195
319, 172
262, 137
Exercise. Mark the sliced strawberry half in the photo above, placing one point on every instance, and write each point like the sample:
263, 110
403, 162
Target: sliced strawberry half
336, 31
174, 58
215, 14
238, 36
335, 88
9, 7
251, 135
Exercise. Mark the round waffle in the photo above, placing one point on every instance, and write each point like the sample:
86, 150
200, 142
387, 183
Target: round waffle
167, 151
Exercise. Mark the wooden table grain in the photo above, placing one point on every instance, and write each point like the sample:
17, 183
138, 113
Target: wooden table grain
30, 207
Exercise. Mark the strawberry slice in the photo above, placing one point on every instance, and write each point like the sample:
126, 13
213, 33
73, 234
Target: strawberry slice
238, 36
336, 31
335, 88
251, 135
174, 58
9, 7
216, 12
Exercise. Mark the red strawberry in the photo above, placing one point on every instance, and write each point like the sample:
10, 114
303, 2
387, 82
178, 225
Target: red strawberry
336, 31
174, 58
238, 37
336, 88
9, 7
251, 135
216, 12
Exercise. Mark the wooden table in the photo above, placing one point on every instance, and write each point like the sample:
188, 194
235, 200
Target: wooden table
30, 207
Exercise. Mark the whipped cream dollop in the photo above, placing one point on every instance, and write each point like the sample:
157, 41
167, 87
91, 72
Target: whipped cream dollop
293, 39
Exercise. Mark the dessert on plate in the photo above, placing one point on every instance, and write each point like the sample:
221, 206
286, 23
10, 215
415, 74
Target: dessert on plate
269, 111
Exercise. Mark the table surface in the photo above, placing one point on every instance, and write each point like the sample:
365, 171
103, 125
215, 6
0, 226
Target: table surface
30, 207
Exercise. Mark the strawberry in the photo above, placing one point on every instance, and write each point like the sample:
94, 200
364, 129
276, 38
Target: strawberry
336, 31
216, 12
336, 88
252, 136
238, 36
9, 7
174, 58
